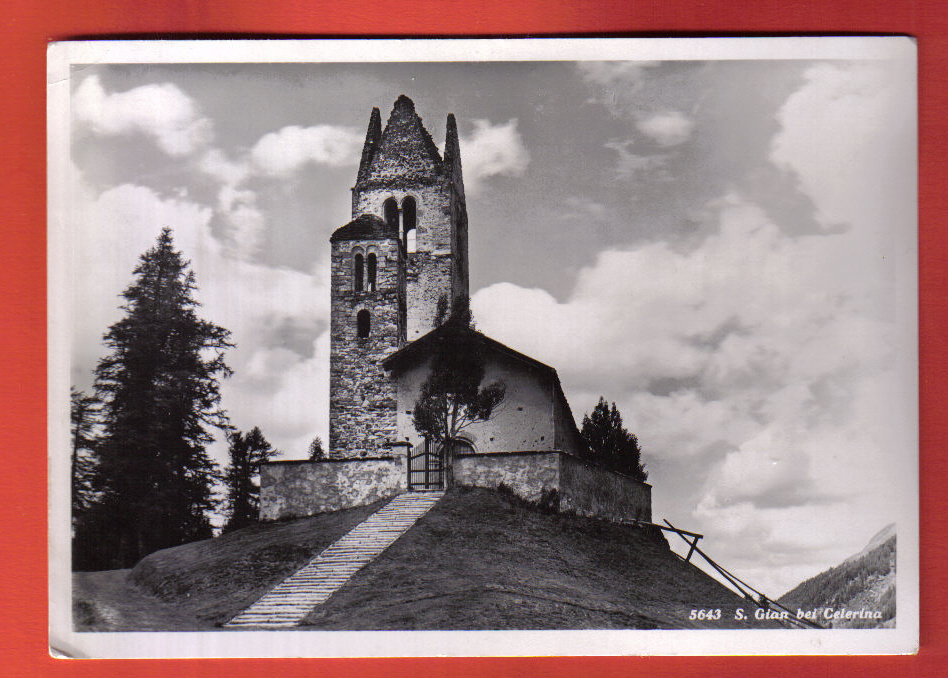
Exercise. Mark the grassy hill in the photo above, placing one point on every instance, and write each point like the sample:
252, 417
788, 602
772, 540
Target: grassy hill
865, 580
477, 560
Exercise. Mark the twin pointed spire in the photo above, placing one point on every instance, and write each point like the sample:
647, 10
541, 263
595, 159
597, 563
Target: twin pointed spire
404, 149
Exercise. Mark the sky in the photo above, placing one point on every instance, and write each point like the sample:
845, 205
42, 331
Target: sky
720, 247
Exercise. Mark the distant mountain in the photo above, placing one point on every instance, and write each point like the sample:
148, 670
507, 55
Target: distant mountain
857, 593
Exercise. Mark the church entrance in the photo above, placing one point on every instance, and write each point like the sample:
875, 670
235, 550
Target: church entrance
425, 467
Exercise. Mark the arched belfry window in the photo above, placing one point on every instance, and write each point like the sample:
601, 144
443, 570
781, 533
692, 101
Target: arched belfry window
363, 323
390, 213
358, 272
371, 266
409, 222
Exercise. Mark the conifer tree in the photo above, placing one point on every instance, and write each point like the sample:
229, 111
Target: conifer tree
160, 394
610, 444
316, 451
84, 412
247, 451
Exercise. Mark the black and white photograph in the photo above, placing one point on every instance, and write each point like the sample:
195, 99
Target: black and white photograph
483, 347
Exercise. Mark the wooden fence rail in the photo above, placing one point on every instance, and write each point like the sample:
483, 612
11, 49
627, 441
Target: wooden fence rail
744, 589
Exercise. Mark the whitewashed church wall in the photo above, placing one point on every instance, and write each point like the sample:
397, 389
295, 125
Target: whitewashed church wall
524, 422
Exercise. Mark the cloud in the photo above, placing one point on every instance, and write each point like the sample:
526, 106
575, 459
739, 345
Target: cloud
631, 165
282, 153
274, 385
215, 163
246, 223
761, 359
615, 84
669, 128
583, 208
843, 131
160, 111
493, 150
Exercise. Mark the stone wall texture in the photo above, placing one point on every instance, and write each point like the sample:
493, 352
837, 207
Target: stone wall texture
527, 474
406, 162
583, 488
362, 399
304, 488
597, 492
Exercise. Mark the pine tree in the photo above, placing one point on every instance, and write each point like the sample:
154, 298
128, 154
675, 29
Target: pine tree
610, 444
316, 451
160, 393
247, 452
84, 413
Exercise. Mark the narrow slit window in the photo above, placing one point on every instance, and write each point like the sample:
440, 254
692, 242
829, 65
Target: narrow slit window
363, 324
390, 213
371, 266
357, 272
409, 223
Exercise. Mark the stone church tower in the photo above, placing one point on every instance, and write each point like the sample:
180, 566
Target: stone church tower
405, 249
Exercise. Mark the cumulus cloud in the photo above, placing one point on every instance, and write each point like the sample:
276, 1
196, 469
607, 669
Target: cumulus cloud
668, 128
274, 386
762, 359
281, 153
160, 111
246, 222
216, 164
107, 234
493, 150
843, 131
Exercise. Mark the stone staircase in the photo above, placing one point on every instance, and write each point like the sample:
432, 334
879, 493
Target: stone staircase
290, 601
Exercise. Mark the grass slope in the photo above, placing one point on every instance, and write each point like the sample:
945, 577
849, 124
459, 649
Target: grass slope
863, 581
477, 560
204, 583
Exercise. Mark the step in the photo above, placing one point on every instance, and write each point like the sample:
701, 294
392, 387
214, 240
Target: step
288, 603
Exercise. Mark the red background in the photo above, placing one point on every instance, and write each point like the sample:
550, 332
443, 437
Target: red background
27, 26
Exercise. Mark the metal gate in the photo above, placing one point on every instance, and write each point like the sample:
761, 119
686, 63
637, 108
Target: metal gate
425, 468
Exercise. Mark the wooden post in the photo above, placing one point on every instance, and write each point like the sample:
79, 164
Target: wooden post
694, 545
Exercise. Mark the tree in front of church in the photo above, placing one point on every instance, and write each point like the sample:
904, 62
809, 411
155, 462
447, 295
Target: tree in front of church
247, 451
159, 387
452, 398
610, 444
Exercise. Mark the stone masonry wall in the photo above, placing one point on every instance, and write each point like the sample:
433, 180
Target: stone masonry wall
586, 489
362, 399
431, 269
428, 278
526, 473
304, 488
597, 492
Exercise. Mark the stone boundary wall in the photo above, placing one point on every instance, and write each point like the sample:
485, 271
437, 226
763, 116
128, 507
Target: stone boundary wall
296, 489
583, 487
600, 493
526, 473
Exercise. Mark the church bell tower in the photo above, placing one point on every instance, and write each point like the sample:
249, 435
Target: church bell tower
404, 180
405, 248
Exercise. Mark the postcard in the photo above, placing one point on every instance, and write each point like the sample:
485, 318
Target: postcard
483, 347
